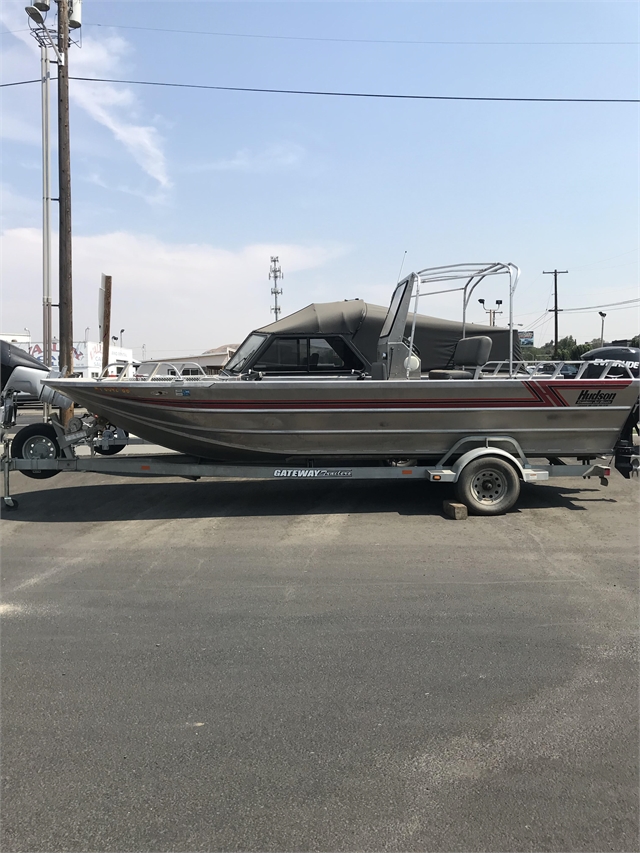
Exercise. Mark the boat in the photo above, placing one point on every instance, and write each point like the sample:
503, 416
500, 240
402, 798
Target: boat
386, 410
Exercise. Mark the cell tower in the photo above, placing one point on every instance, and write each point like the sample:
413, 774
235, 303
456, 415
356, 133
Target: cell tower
275, 273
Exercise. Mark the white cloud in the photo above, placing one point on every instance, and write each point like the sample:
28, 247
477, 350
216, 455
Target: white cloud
273, 158
114, 107
18, 208
171, 296
17, 130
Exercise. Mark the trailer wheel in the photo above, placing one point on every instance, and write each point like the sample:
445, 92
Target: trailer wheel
36, 441
488, 486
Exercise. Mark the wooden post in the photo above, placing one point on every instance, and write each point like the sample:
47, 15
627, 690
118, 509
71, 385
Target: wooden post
106, 320
65, 299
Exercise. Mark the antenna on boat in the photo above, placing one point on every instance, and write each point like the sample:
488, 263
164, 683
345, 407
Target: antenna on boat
401, 265
275, 272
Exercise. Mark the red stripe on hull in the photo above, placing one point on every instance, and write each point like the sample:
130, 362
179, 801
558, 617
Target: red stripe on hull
543, 395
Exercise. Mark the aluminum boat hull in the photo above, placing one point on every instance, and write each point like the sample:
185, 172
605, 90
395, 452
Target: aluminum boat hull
235, 420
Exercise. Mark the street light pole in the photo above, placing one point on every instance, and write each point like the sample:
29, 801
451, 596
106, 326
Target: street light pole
69, 15
44, 37
603, 315
46, 208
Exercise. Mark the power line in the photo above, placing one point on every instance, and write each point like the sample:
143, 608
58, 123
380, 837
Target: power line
19, 83
351, 40
340, 94
356, 41
608, 305
539, 321
623, 308
356, 94
610, 258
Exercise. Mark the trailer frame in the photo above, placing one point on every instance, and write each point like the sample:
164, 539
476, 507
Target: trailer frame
449, 468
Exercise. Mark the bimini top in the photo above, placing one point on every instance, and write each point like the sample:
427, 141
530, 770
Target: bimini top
362, 322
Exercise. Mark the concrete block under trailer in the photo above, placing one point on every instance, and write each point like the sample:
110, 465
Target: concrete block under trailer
487, 477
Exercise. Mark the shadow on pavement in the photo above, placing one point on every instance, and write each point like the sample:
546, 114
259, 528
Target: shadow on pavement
165, 500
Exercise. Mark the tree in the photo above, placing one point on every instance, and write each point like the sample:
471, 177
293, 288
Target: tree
570, 350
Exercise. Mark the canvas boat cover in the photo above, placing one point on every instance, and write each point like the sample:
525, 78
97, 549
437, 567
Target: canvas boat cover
362, 322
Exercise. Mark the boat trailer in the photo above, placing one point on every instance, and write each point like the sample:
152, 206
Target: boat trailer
486, 470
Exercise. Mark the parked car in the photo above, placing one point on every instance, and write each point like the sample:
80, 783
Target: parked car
548, 368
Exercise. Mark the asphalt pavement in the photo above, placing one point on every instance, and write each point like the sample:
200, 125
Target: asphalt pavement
317, 666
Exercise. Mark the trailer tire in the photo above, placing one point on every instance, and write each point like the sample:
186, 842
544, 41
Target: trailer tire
36, 441
488, 486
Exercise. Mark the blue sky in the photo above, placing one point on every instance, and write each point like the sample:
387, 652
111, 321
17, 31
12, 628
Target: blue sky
183, 195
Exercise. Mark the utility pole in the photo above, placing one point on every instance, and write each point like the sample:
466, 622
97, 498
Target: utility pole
64, 193
555, 309
105, 317
275, 273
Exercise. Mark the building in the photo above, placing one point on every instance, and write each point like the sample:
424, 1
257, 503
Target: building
87, 356
19, 339
211, 362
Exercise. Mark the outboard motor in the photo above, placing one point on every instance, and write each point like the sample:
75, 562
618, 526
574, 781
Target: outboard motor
627, 453
22, 372
625, 360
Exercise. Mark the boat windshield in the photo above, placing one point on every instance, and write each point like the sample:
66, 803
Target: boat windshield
244, 353
396, 299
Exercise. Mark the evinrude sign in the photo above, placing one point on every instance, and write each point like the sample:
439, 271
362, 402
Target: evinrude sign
312, 472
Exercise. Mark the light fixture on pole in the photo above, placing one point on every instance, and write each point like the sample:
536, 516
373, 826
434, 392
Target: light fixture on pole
275, 273
35, 14
492, 311
86, 334
603, 315
121, 331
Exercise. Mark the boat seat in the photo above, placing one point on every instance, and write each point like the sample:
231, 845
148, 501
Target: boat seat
469, 352
450, 374
379, 370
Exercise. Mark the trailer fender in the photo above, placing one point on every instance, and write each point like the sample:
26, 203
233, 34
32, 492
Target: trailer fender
478, 452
